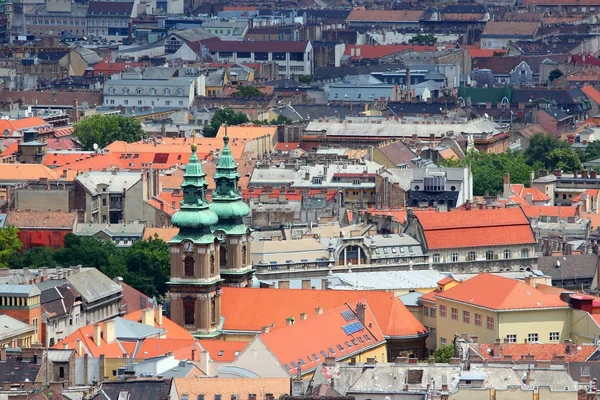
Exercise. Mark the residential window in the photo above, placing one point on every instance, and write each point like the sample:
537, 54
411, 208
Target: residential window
436, 258
432, 312
471, 256
454, 257
180, 102
532, 337
443, 341
454, 313
490, 322
524, 253
489, 255
139, 102
477, 319
126, 102
225, 54
167, 102
426, 311
506, 253
443, 311
512, 338
466, 317
554, 336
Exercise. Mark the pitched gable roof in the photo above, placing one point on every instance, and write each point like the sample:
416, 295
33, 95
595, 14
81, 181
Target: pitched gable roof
238, 305
498, 293
223, 350
337, 333
475, 228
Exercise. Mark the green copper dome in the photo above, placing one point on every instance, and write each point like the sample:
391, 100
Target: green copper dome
227, 200
194, 212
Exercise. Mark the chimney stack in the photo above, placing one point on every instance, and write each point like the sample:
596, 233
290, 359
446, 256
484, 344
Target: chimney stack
97, 335
361, 311
158, 316
109, 331
75, 111
148, 316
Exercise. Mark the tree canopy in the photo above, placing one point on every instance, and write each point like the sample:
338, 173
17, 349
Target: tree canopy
248, 91
223, 116
488, 170
540, 147
9, 244
105, 129
554, 75
444, 353
420, 39
145, 265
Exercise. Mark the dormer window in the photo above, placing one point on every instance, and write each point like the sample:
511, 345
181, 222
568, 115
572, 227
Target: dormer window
167, 92
317, 180
180, 92
138, 90
152, 91
125, 91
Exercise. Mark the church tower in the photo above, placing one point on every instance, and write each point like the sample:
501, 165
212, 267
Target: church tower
233, 235
195, 285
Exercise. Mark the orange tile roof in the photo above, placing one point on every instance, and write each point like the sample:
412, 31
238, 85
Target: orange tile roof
498, 293
238, 305
522, 192
172, 181
313, 339
10, 149
540, 351
445, 280
549, 211
172, 199
165, 234
475, 228
174, 331
16, 172
448, 154
227, 388
589, 192
594, 220
172, 337
591, 92
156, 347
223, 350
430, 297
287, 146
11, 125
162, 205
475, 51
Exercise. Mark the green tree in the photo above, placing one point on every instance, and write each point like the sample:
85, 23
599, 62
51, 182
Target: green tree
35, 257
444, 353
427, 40
307, 79
565, 159
148, 266
9, 244
85, 251
224, 116
488, 170
105, 129
591, 152
248, 91
554, 75
280, 120
540, 146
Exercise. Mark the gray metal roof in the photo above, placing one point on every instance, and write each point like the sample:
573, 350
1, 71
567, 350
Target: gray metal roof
411, 299
131, 330
93, 284
112, 230
192, 34
60, 355
116, 182
10, 326
365, 93
19, 290
386, 280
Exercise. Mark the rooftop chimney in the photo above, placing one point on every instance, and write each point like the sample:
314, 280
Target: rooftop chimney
148, 316
158, 316
109, 331
361, 311
97, 335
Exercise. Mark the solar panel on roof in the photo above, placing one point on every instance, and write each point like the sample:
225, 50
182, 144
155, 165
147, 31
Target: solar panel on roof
348, 315
352, 328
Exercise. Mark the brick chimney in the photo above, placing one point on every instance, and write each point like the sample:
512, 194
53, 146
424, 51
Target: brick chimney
75, 116
506, 188
361, 311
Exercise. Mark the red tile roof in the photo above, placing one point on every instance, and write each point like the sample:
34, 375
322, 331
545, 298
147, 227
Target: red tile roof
8, 126
318, 336
540, 352
223, 351
590, 193
592, 93
498, 293
238, 305
475, 228
110, 67
286, 146
522, 192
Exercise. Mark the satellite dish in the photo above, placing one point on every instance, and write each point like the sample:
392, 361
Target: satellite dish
487, 116
95, 146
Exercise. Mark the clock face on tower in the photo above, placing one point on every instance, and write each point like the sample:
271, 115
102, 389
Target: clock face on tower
220, 235
188, 246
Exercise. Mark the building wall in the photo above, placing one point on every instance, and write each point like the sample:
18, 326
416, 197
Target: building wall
30, 314
256, 357
42, 238
44, 200
541, 322
445, 255
583, 327
53, 332
447, 327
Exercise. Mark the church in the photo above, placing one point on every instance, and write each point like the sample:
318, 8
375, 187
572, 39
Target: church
212, 248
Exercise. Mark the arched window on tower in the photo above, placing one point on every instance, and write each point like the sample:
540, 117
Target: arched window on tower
188, 266
223, 257
189, 311
244, 255
213, 311
212, 265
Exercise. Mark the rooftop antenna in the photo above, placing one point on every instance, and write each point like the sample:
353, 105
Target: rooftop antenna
95, 147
